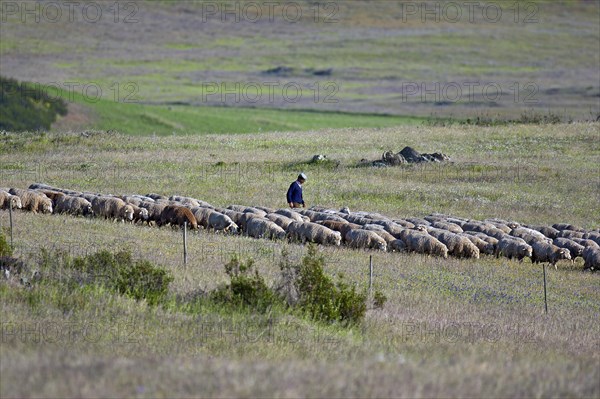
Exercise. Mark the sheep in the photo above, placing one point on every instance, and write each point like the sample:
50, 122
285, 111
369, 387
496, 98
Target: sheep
237, 208
264, 228
524, 232
442, 216
143, 198
530, 236
393, 228
484, 246
570, 234
396, 245
191, 202
32, 200
139, 214
574, 248
313, 232
176, 215
265, 209
326, 216
454, 228
380, 231
157, 196
373, 216
417, 221
513, 247
76, 206
484, 237
592, 235
256, 211
280, 220
233, 215
591, 257
246, 216
365, 239
372, 227
386, 236
7, 200
511, 224
458, 246
484, 228
434, 218
548, 231
310, 214
53, 195
221, 222
423, 243
357, 219
41, 186
131, 200
544, 252
112, 208
154, 210
586, 242
292, 215
403, 223
505, 228
457, 221
566, 226
202, 216
88, 196
342, 227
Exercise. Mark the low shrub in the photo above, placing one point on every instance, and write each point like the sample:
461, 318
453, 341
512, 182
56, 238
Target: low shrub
137, 279
5, 249
247, 288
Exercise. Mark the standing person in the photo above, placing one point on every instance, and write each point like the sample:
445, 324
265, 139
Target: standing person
294, 193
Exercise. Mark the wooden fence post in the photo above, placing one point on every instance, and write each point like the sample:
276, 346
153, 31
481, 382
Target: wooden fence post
185, 243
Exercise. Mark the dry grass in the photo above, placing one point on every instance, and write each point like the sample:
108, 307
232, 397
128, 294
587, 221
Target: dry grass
467, 328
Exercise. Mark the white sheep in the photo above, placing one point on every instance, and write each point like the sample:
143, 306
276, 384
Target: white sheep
264, 228
365, 239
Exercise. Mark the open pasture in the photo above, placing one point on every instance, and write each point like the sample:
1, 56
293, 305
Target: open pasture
450, 327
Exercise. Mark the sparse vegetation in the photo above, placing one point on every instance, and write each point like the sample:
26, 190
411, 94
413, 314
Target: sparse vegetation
119, 272
5, 249
304, 286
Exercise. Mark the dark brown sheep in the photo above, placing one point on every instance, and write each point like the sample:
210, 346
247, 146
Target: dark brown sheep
177, 216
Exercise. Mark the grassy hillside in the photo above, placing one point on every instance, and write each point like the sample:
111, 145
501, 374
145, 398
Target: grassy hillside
540, 55
449, 328
148, 119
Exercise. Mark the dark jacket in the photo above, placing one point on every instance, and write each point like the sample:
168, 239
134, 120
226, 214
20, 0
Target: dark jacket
294, 193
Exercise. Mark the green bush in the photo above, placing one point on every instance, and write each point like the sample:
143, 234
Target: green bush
27, 107
322, 299
137, 279
247, 288
5, 249
379, 299
142, 280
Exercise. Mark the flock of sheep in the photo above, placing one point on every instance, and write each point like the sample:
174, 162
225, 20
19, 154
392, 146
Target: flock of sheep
437, 234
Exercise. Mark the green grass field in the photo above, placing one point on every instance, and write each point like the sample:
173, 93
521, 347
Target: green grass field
152, 119
450, 327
